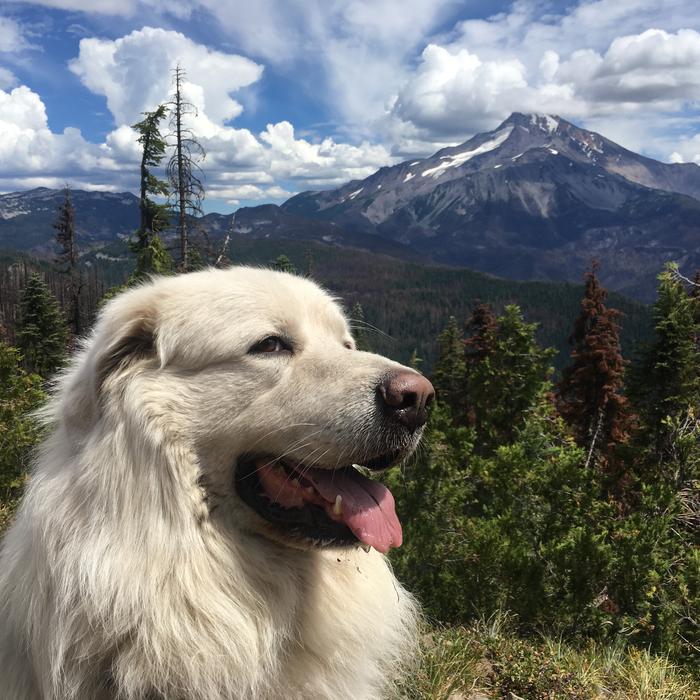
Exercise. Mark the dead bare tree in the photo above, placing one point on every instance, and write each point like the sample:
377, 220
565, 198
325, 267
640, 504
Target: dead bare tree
183, 169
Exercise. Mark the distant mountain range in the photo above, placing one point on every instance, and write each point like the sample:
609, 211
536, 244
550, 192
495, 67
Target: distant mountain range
537, 198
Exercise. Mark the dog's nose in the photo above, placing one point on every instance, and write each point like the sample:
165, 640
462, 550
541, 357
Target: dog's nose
406, 396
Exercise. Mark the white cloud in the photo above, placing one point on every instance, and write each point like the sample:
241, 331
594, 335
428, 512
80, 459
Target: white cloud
455, 92
134, 73
7, 78
349, 54
29, 149
12, 39
239, 166
450, 91
688, 150
327, 161
250, 193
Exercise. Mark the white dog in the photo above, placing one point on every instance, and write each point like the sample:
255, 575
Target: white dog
193, 528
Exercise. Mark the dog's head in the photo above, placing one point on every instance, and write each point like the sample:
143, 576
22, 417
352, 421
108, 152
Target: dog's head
253, 377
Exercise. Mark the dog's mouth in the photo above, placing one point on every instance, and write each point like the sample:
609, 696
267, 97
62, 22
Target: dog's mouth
321, 507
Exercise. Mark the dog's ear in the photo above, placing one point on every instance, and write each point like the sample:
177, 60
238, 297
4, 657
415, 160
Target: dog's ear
133, 341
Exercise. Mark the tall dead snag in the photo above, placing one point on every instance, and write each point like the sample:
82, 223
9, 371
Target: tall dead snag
589, 395
68, 257
183, 169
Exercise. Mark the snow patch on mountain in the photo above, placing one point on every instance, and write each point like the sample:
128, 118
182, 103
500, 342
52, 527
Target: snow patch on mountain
12, 213
454, 161
546, 122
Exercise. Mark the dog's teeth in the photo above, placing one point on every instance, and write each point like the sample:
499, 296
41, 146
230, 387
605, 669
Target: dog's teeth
295, 482
338, 505
366, 547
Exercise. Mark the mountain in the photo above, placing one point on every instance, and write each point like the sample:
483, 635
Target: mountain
100, 217
536, 198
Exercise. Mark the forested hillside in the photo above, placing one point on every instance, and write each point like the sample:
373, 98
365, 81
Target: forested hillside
407, 304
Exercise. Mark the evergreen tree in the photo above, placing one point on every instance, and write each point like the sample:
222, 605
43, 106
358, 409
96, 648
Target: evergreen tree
665, 383
357, 321
695, 294
67, 259
184, 173
449, 375
590, 397
41, 330
414, 361
283, 264
506, 374
309, 263
20, 393
151, 255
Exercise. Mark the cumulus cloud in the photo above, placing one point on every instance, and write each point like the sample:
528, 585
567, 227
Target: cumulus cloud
326, 162
647, 68
134, 73
30, 151
454, 91
240, 166
450, 90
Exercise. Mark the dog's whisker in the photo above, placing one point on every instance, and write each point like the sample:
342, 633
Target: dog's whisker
277, 430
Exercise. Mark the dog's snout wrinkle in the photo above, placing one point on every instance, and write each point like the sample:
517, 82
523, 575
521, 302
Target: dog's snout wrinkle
406, 396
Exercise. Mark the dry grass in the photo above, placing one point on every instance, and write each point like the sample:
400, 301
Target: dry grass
489, 660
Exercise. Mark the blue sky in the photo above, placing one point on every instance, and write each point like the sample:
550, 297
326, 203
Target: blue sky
308, 94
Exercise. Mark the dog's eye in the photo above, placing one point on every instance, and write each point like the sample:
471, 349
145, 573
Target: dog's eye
270, 344
348, 345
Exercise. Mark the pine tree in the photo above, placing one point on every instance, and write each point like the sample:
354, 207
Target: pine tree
414, 361
589, 396
309, 263
481, 330
695, 294
357, 321
449, 375
68, 257
151, 255
183, 169
42, 333
665, 383
20, 394
506, 374
283, 264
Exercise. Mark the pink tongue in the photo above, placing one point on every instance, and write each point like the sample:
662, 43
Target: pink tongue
367, 506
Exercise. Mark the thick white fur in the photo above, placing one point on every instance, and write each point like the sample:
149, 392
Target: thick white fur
134, 571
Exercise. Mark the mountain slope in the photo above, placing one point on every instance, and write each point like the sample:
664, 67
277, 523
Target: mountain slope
26, 218
535, 198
